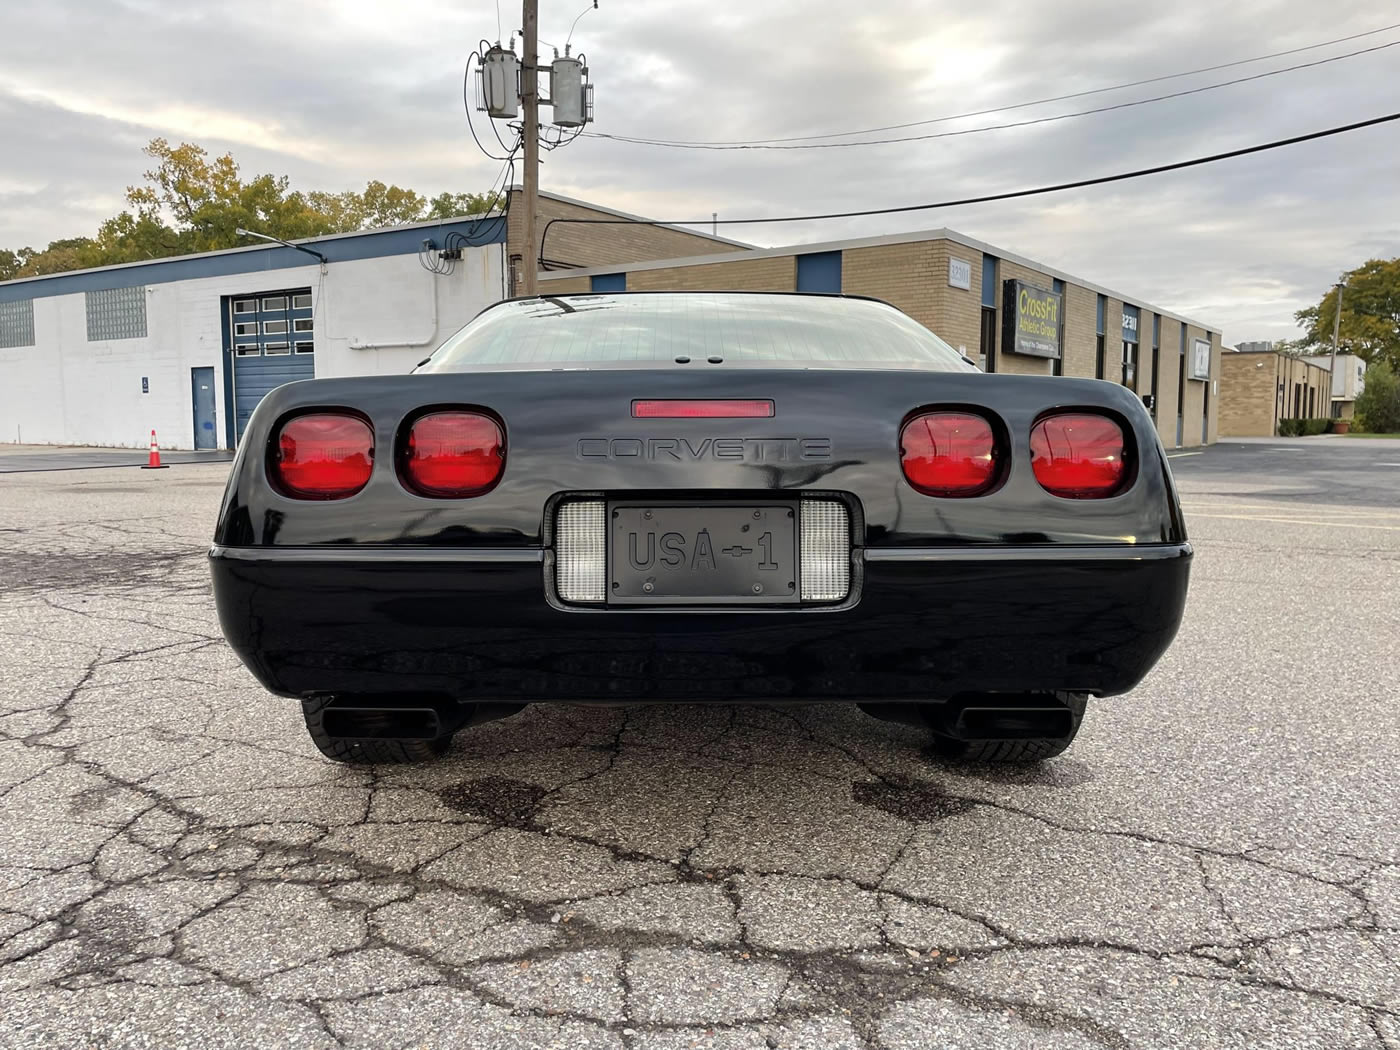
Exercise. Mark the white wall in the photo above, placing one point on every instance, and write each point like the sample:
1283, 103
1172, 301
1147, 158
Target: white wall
372, 317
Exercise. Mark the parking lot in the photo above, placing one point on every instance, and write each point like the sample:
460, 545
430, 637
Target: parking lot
1214, 863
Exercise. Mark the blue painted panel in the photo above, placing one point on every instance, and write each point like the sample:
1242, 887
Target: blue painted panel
819, 272
202, 398
371, 245
256, 377
989, 281
1131, 317
608, 282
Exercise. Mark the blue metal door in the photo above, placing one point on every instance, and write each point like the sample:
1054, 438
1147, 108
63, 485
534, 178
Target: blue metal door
202, 398
272, 343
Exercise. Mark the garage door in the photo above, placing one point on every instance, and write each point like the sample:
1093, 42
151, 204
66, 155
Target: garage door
273, 343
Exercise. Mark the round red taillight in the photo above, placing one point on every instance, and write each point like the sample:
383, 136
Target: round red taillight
950, 454
451, 455
323, 455
1076, 455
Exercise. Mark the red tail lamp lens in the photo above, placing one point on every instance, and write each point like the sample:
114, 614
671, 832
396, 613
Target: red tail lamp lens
449, 455
325, 455
1079, 456
951, 454
702, 409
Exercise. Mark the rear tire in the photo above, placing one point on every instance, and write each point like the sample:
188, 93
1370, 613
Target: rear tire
366, 750
1026, 750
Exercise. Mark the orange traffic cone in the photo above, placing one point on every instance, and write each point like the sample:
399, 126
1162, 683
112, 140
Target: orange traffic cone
153, 462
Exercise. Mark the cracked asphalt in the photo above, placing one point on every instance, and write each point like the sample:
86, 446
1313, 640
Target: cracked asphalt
1214, 863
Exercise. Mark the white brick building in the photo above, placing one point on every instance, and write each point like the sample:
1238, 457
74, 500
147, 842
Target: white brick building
187, 346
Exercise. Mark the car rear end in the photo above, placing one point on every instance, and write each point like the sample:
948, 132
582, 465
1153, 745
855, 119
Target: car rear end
704, 521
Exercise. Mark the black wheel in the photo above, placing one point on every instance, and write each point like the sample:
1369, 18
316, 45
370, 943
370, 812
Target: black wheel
366, 749
1011, 748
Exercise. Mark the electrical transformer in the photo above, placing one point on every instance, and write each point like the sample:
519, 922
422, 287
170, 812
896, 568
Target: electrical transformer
566, 92
500, 84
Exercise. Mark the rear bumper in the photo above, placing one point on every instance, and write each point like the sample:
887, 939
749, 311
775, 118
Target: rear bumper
475, 625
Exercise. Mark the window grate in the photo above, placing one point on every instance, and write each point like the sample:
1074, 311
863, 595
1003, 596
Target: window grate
17, 323
116, 313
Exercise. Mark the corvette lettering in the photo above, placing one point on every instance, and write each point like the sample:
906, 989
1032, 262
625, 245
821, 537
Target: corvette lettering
691, 450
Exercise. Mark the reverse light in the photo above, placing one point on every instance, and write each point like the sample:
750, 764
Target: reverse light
323, 456
692, 409
1076, 455
949, 454
452, 455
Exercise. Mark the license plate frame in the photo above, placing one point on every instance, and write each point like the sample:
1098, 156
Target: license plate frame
738, 555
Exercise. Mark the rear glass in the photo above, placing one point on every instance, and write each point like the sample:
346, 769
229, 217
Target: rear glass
608, 330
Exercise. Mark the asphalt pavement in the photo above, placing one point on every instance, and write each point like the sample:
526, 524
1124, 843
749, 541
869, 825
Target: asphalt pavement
1215, 863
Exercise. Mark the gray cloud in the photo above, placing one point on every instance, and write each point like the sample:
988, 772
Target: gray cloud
334, 94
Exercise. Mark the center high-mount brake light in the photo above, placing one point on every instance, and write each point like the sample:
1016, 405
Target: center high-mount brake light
724, 409
452, 454
949, 454
323, 456
1076, 455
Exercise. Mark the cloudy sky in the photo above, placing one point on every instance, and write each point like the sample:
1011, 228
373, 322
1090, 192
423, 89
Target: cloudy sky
337, 92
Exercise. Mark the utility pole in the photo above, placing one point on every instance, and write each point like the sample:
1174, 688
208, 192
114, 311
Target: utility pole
530, 101
1336, 332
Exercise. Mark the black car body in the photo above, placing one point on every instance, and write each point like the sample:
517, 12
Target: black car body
399, 612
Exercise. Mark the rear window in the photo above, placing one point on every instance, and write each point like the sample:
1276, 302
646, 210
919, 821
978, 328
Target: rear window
608, 330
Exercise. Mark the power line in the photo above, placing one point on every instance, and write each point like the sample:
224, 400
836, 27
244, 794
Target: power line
997, 127
988, 198
1018, 105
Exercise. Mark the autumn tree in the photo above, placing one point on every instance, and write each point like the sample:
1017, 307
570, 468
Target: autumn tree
191, 202
1370, 315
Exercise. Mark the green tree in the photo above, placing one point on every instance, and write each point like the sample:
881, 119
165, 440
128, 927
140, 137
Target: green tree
1378, 404
1370, 314
452, 205
191, 202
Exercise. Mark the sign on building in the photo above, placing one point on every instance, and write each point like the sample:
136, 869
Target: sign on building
1200, 359
959, 273
1030, 320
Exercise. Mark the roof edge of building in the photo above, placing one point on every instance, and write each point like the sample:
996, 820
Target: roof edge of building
637, 218
936, 234
260, 247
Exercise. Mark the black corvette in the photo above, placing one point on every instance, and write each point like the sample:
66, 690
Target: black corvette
699, 497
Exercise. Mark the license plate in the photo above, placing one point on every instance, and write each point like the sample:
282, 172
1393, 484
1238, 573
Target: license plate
702, 553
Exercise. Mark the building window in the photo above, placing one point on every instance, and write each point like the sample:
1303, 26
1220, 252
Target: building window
274, 327
17, 323
302, 301
1312, 402
987, 345
305, 348
1099, 347
1129, 363
245, 328
276, 349
1057, 366
301, 324
274, 303
246, 349
1156, 358
245, 306
116, 313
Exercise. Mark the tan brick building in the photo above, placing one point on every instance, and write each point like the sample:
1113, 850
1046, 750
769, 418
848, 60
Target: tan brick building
571, 245
954, 285
1257, 389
